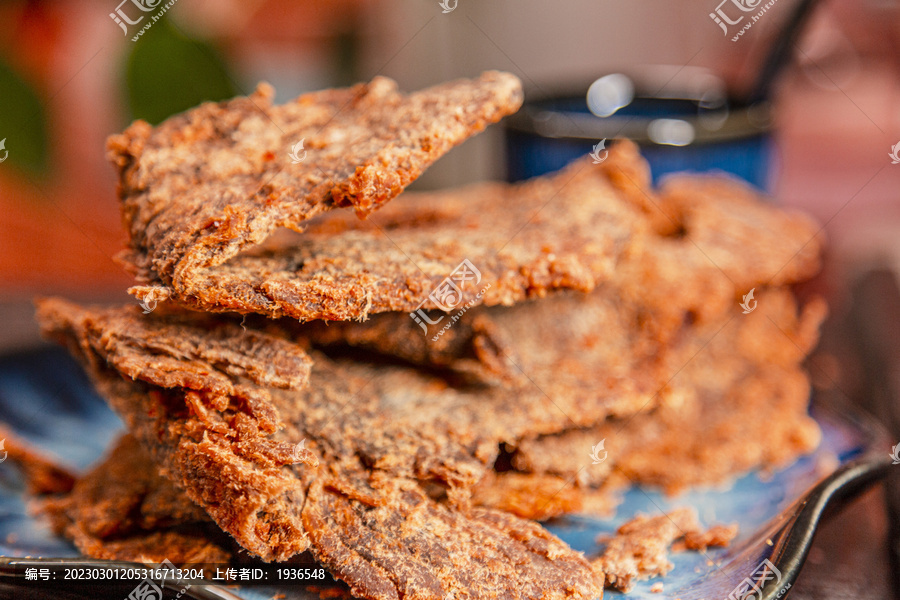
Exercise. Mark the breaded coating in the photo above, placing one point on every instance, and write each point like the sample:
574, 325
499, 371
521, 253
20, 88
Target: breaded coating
209, 182
123, 509
568, 231
396, 418
639, 550
738, 402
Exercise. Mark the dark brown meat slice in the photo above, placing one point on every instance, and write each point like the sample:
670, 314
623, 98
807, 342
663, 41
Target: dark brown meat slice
122, 509
386, 541
206, 183
42, 475
405, 545
566, 231
191, 351
401, 543
407, 421
713, 425
221, 433
575, 229
275, 512
233, 460
725, 240
411, 424
722, 241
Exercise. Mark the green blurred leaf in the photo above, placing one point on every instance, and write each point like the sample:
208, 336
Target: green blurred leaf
23, 124
167, 72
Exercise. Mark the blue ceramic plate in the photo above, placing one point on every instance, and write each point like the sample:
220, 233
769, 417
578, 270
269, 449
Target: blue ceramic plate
45, 397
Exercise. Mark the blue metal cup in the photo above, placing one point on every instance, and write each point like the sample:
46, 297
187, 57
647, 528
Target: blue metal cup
681, 118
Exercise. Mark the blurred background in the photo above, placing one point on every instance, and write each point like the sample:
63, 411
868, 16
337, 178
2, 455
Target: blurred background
70, 75
809, 100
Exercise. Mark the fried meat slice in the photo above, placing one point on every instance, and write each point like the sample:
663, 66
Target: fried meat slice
738, 402
233, 450
520, 241
205, 184
123, 509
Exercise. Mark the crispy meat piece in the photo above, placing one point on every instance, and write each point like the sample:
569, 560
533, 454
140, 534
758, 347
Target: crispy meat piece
528, 495
713, 426
219, 410
206, 183
406, 545
717, 535
234, 459
400, 419
725, 217
42, 475
575, 229
122, 509
688, 273
708, 431
386, 541
724, 240
347, 511
190, 351
568, 231
411, 424
640, 549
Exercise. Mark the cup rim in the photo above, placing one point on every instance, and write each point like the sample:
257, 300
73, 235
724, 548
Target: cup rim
736, 121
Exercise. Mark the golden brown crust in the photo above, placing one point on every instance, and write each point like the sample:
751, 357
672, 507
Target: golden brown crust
209, 182
42, 475
407, 545
218, 435
639, 550
122, 509
221, 407
528, 495
717, 535
184, 350
395, 417
540, 496
350, 512
724, 241
388, 416
568, 231
709, 430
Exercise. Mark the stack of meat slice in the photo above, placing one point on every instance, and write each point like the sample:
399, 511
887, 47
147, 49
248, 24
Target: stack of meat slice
348, 415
